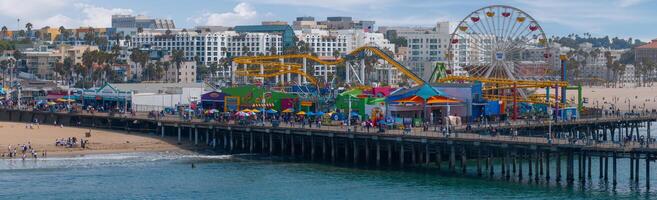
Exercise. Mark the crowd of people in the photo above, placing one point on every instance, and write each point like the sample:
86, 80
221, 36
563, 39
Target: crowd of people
25, 150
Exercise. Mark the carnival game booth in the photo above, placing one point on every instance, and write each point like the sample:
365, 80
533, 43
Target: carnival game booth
363, 106
213, 100
251, 97
423, 104
107, 97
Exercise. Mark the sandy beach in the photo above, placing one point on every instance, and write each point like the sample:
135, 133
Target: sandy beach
635, 98
43, 138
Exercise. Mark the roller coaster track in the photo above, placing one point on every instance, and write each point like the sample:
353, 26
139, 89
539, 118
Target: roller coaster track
273, 67
507, 82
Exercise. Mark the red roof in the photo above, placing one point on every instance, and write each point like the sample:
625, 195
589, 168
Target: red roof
651, 45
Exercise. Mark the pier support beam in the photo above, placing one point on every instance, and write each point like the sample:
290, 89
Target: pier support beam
613, 168
492, 164
251, 142
312, 148
647, 171
195, 136
547, 166
332, 149
161, 130
636, 167
600, 166
558, 170
479, 162
631, 166
389, 153
232, 144
439, 157
463, 161
590, 172
271, 144
570, 177
367, 152
401, 154
529, 166
378, 153
606, 167
520, 158
355, 151
179, 133
452, 158
537, 165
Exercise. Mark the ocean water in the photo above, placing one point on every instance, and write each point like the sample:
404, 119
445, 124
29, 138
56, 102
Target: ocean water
170, 176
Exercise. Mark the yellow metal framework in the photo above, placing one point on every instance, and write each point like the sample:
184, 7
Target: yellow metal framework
273, 67
507, 84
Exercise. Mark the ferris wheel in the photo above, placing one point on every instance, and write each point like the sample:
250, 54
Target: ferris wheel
501, 42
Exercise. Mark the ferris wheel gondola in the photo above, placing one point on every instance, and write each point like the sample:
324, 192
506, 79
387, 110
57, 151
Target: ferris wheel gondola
501, 42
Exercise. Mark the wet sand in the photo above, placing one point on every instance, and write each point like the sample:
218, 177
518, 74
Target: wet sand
43, 138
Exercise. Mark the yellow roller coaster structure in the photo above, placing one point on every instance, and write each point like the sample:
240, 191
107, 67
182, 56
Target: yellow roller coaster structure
496, 84
273, 67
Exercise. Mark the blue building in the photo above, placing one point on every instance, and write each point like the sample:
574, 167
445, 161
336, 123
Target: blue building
284, 30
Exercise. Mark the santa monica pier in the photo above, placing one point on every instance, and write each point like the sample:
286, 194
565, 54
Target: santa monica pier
499, 106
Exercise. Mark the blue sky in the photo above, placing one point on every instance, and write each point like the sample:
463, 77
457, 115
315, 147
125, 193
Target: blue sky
622, 18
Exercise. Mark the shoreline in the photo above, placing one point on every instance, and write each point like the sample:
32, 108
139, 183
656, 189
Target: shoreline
42, 138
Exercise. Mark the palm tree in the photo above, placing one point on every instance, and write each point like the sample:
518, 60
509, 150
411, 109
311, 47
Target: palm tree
61, 33
28, 26
272, 50
4, 32
178, 56
610, 62
90, 36
166, 65
245, 51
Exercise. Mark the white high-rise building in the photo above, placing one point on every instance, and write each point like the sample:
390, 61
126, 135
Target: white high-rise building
327, 43
426, 46
324, 42
210, 48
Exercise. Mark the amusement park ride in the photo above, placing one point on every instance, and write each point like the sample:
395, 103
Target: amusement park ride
501, 47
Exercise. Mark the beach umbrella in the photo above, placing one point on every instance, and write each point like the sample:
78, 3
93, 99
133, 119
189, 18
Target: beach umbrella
189, 110
65, 100
272, 111
289, 110
355, 114
310, 113
319, 113
51, 103
255, 111
301, 113
247, 110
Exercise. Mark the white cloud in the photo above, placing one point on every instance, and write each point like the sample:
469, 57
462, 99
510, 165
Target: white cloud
242, 13
57, 13
342, 5
98, 16
31, 8
56, 21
